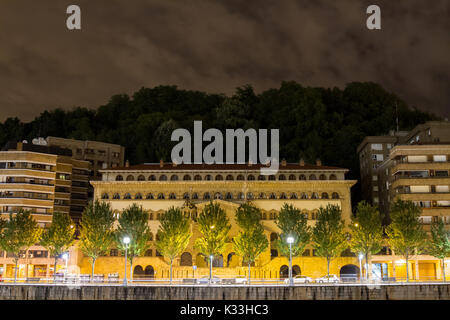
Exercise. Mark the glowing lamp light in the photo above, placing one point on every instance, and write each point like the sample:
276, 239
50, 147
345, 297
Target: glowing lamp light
126, 240
361, 256
400, 261
290, 240
65, 256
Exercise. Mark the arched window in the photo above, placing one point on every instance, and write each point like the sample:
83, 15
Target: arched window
206, 196
228, 196
322, 177
240, 177
172, 196
335, 195
195, 196
241, 196
217, 195
294, 195
208, 177
130, 178
304, 195
152, 177
273, 236
186, 195
151, 216
281, 177
314, 195
283, 195
261, 177
186, 259
262, 195
291, 177
333, 177
141, 178
229, 177
264, 216
174, 177
105, 196
127, 196
273, 253
250, 177
161, 196
324, 195
249, 196
219, 177
186, 177
116, 196
305, 213
163, 177
302, 177
149, 196
272, 196
119, 178
148, 253
312, 177
272, 177
138, 196
197, 177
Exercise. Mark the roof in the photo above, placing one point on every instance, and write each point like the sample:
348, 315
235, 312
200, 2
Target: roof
218, 167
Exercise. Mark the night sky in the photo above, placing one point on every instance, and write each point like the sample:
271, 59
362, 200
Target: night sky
216, 46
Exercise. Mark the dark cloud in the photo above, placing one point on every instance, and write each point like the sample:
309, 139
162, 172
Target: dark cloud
217, 46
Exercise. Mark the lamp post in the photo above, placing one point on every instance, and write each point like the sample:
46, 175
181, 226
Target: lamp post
360, 257
290, 240
126, 241
65, 256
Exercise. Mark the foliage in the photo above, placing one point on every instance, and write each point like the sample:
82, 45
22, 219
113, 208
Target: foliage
96, 234
251, 240
214, 225
292, 222
328, 237
439, 245
59, 237
366, 230
133, 222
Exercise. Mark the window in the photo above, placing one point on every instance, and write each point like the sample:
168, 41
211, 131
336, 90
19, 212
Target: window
130, 178
419, 189
141, 178
229, 177
197, 177
228, 196
281, 177
377, 157
208, 177
324, 195
374, 178
415, 159
105, 196
442, 189
152, 178
186, 177
219, 177
149, 196
251, 177
292, 177
174, 177
186, 195
172, 196
261, 177
206, 196
438, 158
389, 146
240, 177
302, 177
375, 188
312, 177
163, 177
376, 146
161, 196
138, 196
335, 195
127, 196
314, 195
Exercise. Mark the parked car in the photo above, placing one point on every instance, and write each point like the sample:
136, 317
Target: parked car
332, 278
299, 279
205, 280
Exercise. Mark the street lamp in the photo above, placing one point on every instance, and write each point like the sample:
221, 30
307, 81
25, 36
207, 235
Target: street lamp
65, 256
126, 240
361, 256
290, 240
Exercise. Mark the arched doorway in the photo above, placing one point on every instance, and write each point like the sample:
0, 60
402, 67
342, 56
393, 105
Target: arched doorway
138, 272
284, 271
186, 259
349, 272
218, 261
229, 257
149, 272
296, 271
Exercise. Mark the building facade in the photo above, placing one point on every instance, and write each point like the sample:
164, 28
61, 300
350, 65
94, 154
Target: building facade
157, 187
43, 180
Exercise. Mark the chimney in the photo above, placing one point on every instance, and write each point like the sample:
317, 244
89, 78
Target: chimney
127, 164
283, 163
161, 163
302, 162
318, 162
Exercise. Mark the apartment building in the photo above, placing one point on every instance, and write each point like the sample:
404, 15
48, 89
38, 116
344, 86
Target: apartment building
42, 179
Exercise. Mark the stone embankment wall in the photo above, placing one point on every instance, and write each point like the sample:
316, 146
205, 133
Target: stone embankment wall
328, 292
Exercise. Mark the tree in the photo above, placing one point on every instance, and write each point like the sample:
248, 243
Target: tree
133, 223
292, 223
439, 245
18, 234
405, 233
173, 235
96, 234
328, 236
214, 225
366, 232
251, 241
59, 237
